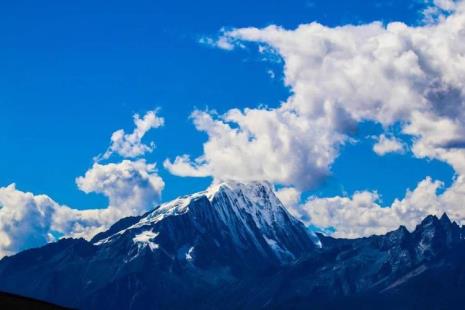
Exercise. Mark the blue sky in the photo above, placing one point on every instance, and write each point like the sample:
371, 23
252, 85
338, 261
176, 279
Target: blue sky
74, 72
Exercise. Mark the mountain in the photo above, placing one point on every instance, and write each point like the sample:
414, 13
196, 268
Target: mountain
234, 246
171, 257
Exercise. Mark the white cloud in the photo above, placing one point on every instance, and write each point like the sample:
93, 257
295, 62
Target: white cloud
131, 186
363, 215
393, 75
129, 145
28, 220
341, 76
25, 220
184, 166
385, 145
276, 145
218, 43
357, 216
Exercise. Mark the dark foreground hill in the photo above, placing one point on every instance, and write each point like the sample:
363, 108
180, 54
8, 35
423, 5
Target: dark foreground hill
15, 302
235, 246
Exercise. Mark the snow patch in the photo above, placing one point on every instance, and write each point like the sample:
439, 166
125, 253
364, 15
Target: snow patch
145, 239
189, 254
186, 253
277, 249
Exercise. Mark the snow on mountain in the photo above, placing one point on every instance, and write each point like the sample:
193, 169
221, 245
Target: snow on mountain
145, 239
250, 215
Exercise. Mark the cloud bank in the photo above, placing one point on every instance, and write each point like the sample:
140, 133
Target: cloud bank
393, 75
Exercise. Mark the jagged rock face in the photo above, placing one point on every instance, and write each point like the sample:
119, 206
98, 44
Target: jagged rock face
410, 270
177, 253
433, 236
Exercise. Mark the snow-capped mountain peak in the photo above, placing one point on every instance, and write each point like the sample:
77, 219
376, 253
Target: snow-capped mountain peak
247, 196
246, 218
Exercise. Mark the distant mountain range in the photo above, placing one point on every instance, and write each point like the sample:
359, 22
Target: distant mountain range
234, 246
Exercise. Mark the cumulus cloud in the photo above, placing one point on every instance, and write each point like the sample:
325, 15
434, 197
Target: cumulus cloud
339, 77
183, 166
263, 144
393, 75
130, 186
28, 220
364, 215
385, 145
129, 145
25, 220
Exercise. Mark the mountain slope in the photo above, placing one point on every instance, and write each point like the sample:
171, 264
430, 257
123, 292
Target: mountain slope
170, 257
248, 221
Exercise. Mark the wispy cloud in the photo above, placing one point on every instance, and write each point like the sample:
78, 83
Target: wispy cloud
129, 145
221, 43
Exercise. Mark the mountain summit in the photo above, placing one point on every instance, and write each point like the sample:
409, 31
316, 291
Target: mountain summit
230, 219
